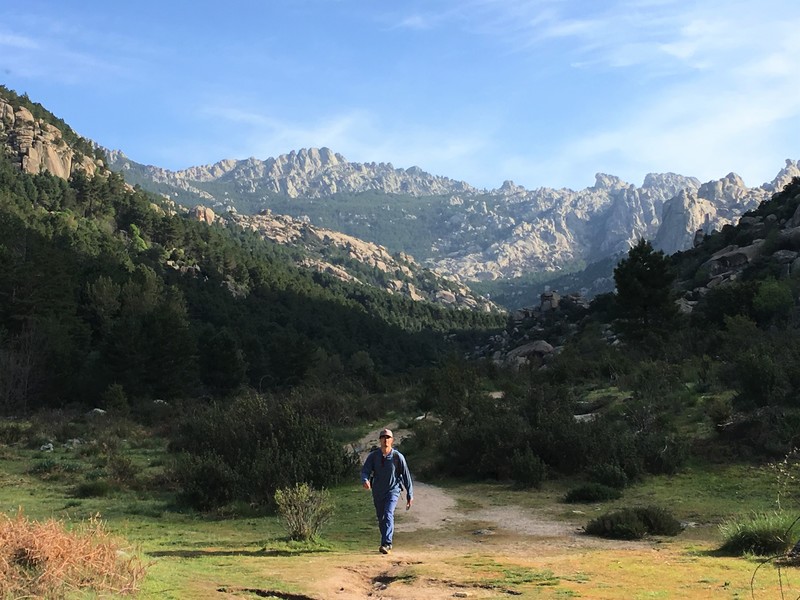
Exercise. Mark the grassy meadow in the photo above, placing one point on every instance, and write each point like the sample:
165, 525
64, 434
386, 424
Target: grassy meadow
119, 471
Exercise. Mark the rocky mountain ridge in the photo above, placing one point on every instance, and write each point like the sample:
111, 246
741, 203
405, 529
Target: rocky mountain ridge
36, 145
480, 235
308, 173
468, 233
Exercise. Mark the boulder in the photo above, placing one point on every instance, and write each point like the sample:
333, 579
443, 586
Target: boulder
537, 348
734, 259
784, 256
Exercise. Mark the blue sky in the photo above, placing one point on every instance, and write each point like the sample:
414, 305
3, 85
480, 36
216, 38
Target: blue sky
541, 92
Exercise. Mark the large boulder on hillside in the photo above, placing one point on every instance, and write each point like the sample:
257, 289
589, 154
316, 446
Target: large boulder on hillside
732, 258
539, 348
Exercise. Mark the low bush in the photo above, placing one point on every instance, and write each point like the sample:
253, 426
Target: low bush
51, 468
592, 492
92, 489
248, 449
44, 467
122, 469
659, 521
634, 523
527, 469
763, 534
304, 510
44, 560
663, 454
608, 475
623, 524
13, 432
206, 481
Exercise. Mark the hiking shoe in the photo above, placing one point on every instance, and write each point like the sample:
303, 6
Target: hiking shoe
385, 549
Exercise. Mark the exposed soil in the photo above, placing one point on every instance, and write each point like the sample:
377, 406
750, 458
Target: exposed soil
445, 531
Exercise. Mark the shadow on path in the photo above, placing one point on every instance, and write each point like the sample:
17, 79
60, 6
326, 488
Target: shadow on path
212, 553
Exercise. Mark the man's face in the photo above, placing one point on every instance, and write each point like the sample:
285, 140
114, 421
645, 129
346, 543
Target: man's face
386, 443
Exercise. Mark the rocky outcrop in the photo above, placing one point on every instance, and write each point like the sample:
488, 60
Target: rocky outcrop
682, 217
37, 146
401, 274
780, 256
204, 215
732, 258
789, 171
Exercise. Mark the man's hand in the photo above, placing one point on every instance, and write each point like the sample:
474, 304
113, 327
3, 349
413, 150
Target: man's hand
409, 502
367, 486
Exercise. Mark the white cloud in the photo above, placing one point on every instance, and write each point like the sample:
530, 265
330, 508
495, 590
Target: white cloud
416, 21
72, 51
17, 41
361, 135
721, 87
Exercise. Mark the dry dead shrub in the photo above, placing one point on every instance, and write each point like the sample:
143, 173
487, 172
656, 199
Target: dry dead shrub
45, 560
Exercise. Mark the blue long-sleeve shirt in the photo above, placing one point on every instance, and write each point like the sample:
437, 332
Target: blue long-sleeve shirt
388, 473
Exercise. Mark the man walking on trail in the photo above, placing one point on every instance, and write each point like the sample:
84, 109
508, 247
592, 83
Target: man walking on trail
384, 472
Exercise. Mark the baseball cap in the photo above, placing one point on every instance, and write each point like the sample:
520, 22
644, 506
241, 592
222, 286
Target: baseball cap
385, 433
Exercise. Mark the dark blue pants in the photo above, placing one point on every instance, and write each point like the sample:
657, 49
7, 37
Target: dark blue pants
384, 510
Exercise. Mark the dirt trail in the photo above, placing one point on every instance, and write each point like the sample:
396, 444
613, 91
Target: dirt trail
435, 508
445, 547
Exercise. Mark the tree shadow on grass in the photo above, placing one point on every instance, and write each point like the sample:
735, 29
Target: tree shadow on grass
186, 553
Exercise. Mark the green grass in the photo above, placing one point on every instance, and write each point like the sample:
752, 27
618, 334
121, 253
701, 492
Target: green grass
763, 534
192, 552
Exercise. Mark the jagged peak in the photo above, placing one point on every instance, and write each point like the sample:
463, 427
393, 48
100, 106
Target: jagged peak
790, 170
604, 181
734, 179
658, 180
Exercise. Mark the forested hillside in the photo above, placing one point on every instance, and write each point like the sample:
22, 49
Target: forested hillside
104, 285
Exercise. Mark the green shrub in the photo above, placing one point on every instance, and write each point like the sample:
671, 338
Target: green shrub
759, 378
592, 492
92, 489
527, 469
53, 467
303, 510
764, 534
663, 454
659, 521
206, 481
634, 523
115, 400
248, 449
608, 475
12, 432
623, 524
719, 410
122, 468
44, 467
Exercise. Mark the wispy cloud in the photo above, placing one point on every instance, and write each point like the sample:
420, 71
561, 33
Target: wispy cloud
68, 51
722, 82
688, 130
361, 135
12, 40
417, 21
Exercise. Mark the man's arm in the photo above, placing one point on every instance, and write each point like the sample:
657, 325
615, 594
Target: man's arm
409, 485
366, 471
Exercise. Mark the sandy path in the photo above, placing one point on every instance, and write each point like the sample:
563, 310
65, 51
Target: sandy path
435, 508
453, 551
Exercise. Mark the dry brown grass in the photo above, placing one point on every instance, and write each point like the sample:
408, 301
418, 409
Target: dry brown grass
46, 560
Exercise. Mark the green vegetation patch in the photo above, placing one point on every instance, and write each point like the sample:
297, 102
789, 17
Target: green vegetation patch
763, 534
634, 523
496, 575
